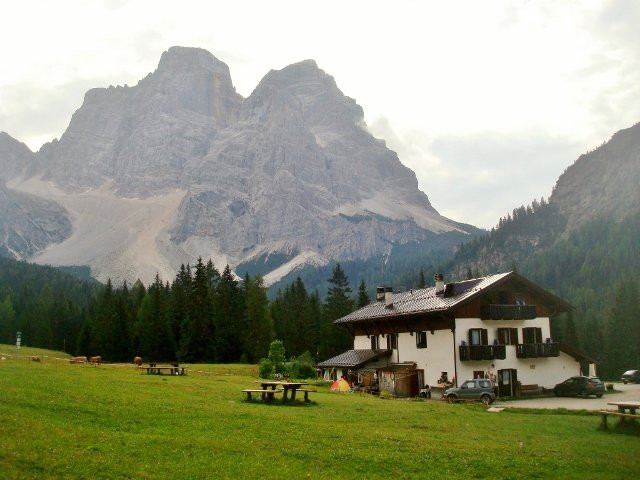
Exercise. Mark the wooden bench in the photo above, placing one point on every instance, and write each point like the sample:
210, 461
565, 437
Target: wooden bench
531, 389
306, 393
266, 395
622, 416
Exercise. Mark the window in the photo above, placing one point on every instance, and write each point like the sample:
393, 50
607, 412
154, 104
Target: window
507, 336
478, 374
421, 339
375, 342
531, 335
485, 384
392, 341
478, 336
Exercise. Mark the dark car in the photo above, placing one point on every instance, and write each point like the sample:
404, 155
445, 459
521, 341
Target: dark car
583, 386
476, 389
631, 376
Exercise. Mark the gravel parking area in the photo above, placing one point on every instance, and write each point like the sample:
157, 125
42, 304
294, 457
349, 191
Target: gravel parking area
625, 393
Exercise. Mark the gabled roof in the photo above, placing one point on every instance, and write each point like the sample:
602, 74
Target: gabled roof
425, 300
354, 358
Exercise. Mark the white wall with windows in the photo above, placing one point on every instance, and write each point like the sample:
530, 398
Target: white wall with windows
543, 371
438, 352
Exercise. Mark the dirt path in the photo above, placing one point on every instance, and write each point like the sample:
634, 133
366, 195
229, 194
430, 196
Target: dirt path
627, 393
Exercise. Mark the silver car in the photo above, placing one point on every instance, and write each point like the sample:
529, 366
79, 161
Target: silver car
476, 389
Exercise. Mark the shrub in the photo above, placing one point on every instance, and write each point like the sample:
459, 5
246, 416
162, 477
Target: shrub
292, 368
307, 366
276, 355
265, 370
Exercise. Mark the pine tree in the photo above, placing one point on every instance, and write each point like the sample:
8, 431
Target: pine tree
338, 303
259, 324
197, 330
623, 329
421, 281
153, 325
7, 321
229, 328
363, 297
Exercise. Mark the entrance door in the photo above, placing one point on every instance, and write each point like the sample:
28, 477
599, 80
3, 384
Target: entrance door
507, 380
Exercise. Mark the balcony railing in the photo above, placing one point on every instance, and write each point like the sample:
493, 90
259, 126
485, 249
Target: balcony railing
536, 350
482, 352
508, 312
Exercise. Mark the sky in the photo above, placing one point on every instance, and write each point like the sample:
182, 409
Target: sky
488, 102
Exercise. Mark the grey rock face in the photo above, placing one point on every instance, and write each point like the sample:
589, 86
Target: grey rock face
290, 169
29, 224
15, 157
605, 181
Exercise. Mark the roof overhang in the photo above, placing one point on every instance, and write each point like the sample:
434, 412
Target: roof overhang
577, 354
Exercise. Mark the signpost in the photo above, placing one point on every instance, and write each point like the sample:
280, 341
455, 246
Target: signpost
18, 340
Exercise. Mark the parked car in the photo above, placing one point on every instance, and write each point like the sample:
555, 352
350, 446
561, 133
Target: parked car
476, 389
632, 376
583, 386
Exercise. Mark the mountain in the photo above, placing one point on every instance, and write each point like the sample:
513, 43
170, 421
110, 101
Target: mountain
603, 182
28, 223
180, 166
600, 186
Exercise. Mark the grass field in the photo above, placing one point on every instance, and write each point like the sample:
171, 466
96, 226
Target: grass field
79, 421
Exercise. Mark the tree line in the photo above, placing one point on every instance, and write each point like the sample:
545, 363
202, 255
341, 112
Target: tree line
202, 316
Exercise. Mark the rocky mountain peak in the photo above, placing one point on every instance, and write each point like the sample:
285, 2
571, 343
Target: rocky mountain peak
180, 166
15, 156
305, 87
602, 182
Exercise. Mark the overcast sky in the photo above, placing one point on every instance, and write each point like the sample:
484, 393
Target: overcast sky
487, 101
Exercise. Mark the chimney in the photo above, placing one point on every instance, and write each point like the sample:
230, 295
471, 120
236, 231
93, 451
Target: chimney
388, 297
439, 278
380, 294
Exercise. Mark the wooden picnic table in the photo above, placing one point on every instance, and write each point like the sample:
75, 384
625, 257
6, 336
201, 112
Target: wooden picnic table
624, 406
154, 369
626, 411
286, 386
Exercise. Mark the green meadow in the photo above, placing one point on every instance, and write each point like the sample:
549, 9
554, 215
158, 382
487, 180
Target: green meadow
61, 421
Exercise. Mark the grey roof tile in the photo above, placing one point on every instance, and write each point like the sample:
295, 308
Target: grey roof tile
424, 300
354, 358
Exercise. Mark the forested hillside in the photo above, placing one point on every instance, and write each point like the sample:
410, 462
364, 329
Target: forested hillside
45, 304
595, 267
201, 316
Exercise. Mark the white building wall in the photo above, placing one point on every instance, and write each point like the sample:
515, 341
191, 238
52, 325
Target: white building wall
438, 357
545, 372
442, 349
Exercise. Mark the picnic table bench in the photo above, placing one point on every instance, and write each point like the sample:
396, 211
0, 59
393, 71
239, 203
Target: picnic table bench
265, 394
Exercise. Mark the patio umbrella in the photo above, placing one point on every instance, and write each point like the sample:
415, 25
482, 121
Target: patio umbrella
340, 386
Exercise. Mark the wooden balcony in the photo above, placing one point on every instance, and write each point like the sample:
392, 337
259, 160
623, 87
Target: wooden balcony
537, 350
482, 352
508, 312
